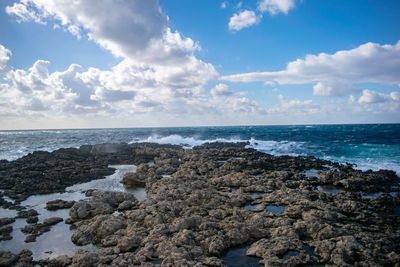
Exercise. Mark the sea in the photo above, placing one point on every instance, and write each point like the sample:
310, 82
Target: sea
368, 146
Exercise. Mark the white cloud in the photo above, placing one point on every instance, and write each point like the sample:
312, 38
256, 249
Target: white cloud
124, 27
158, 69
224, 4
135, 30
229, 101
221, 90
334, 89
294, 107
275, 6
4, 57
335, 74
22, 11
243, 19
125, 91
371, 97
372, 104
247, 18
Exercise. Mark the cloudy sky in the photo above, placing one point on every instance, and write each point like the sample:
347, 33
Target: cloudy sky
140, 63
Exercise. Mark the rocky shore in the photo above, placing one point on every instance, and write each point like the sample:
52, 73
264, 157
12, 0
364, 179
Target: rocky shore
203, 202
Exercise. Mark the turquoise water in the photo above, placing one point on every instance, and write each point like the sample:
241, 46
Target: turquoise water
370, 146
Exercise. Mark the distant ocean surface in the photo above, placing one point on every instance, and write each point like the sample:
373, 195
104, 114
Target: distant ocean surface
370, 146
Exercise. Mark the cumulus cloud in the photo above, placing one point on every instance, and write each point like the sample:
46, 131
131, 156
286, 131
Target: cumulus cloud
275, 6
247, 18
334, 89
158, 68
126, 90
221, 90
372, 103
4, 57
294, 106
371, 97
243, 19
131, 29
229, 101
336, 74
124, 27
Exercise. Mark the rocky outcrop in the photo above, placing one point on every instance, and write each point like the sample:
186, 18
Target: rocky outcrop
206, 201
59, 204
5, 232
132, 180
100, 203
47, 172
24, 258
37, 229
194, 216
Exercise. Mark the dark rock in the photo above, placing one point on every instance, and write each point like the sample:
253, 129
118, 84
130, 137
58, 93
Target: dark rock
194, 217
4, 221
59, 204
24, 258
7, 258
60, 261
30, 238
27, 213
133, 180
39, 228
5, 232
52, 221
32, 219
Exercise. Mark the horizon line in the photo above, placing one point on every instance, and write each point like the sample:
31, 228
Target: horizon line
201, 126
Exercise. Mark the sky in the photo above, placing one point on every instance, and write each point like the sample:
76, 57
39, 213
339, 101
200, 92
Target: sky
149, 63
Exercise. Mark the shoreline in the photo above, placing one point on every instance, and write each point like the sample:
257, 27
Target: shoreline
205, 201
370, 147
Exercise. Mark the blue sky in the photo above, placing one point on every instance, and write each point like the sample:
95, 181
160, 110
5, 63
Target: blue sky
140, 63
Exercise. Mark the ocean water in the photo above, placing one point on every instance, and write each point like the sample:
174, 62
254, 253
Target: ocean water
369, 146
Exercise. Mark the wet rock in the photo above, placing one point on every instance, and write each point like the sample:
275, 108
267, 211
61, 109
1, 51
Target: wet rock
47, 172
7, 258
133, 180
52, 221
27, 213
38, 229
60, 261
5, 232
59, 204
4, 221
30, 239
24, 258
32, 219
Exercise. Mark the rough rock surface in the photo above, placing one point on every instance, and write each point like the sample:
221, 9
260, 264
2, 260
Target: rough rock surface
37, 229
43, 172
221, 196
132, 180
5, 232
22, 259
59, 204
